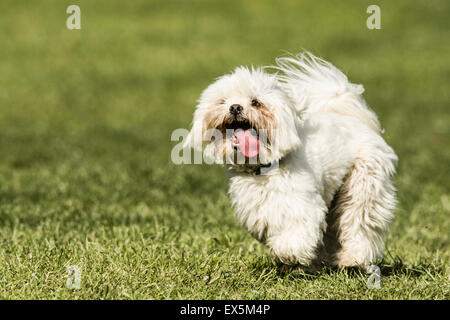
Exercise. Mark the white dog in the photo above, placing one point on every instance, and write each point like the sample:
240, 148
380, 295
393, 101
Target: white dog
320, 189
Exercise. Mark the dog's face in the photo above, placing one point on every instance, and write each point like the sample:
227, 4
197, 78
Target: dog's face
244, 118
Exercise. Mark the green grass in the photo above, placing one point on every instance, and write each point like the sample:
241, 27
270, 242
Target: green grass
85, 123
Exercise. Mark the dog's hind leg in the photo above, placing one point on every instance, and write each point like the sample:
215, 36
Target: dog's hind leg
363, 208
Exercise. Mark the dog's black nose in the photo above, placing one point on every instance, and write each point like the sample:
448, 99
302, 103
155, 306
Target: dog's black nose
235, 109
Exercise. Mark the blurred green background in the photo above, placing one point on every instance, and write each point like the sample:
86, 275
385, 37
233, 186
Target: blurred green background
85, 121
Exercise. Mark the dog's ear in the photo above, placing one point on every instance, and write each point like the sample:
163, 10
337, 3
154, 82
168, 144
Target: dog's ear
286, 137
195, 137
207, 142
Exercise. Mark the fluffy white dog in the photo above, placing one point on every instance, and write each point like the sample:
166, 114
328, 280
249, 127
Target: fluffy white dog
315, 184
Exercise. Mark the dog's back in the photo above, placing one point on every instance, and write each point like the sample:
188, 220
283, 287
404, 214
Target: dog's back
317, 86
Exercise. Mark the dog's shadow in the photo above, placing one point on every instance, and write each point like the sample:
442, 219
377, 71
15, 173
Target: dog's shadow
394, 267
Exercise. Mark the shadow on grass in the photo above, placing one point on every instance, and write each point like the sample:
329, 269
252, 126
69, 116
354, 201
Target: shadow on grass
394, 267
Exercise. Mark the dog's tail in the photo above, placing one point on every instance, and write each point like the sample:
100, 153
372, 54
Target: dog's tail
317, 86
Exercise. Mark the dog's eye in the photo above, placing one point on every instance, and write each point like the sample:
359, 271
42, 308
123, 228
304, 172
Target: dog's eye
256, 103
221, 101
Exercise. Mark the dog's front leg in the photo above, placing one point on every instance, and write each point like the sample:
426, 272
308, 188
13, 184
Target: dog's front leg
297, 236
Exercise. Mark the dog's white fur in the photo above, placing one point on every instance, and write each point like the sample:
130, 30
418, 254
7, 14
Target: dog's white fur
331, 199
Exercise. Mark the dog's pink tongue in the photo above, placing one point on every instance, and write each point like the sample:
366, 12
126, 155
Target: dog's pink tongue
248, 143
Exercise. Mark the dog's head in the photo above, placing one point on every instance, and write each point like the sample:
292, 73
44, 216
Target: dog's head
244, 118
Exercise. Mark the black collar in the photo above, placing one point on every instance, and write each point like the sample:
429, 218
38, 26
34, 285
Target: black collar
257, 170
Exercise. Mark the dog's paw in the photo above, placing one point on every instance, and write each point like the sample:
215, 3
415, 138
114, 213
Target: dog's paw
348, 259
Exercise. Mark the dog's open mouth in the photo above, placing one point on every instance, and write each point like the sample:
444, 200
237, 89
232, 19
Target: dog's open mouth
239, 124
244, 138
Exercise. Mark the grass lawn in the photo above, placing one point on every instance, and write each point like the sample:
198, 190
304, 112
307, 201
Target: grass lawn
85, 121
